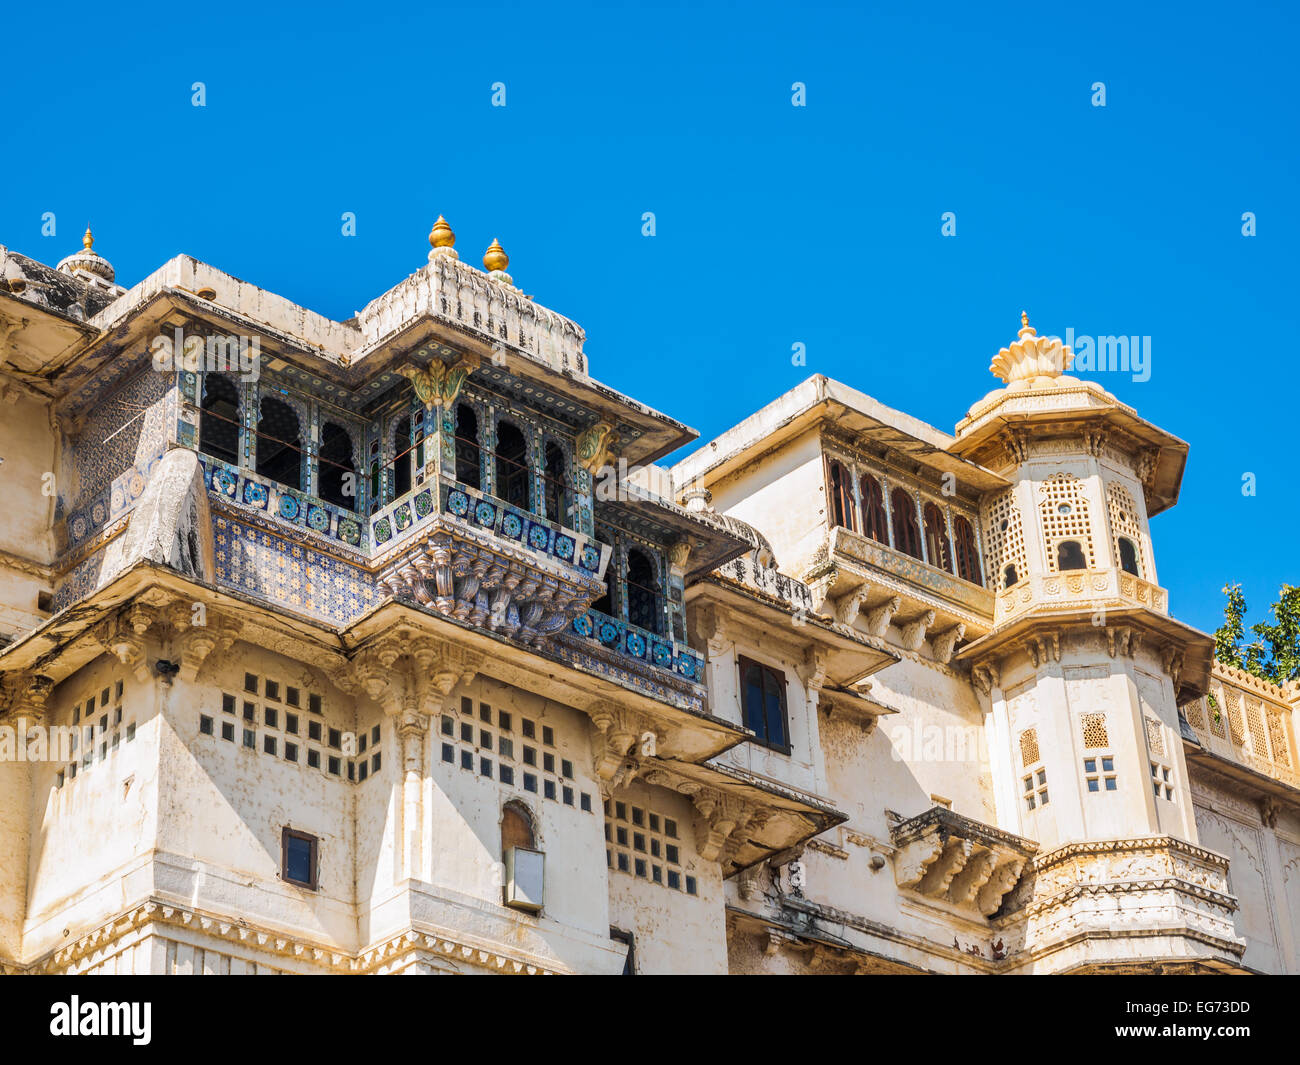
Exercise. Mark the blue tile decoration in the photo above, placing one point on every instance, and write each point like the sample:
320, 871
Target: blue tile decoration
295, 576
636, 643
80, 581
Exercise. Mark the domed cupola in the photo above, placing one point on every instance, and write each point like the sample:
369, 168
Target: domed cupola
87, 261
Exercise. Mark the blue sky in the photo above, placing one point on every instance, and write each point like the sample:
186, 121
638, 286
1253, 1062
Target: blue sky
775, 224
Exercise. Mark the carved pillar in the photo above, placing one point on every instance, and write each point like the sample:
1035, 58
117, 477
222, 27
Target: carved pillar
411, 731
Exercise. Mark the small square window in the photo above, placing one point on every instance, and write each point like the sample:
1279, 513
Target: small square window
448, 726
507, 774
505, 747
205, 725
103, 697
566, 768
1093, 785
548, 789
228, 703
503, 720
1110, 784
670, 828
1166, 772
548, 763
313, 758
272, 716
273, 690
448, 752
620, 834
654, 822
670, 852
269, 744
314, 703
657, 874
291, 723
1108, 765
58, 779
227, 731
566, 796
250, 712
548, 736
1156, 787
530, 728
72, 771
291, 696
299, 858
641, 868
291, 752
250, 683
530, 755
622, 863
76, 713
117, 691
466, 732
250, 739
620, 811
335, 765
466, 705
1089, 766
374, 736
485, 713
336, 739
584, 802
1042, 777
485, 739
314, 730
638, 841
466, 760
375, 762
1029, 801
363, 771
361, 744
690, 885
352, 771
530, 782
674, 880
654, 847
638, 815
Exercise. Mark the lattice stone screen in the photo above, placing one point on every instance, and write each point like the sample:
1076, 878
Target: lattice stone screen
1094, 731
1004, 539
1064, 510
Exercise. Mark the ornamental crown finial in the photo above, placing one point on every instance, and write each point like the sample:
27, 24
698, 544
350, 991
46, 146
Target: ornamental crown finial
88, 241
1025, 327
495, 258
442, 239
1031, 361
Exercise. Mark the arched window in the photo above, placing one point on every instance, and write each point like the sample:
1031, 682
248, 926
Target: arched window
557, 485
513, 480
402, 457
936, 538
874, 522
762, 694
1128, 557
279, 443
1069, 555
219, 420
968, 558
469, 467
907, 535
1009, 576
605, 604
841, 497
337, 480
516, 828
642, 593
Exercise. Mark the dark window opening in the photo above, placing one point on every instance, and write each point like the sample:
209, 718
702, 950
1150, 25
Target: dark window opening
219, 420
1009, 576
402, 458
968, 559
299, 853
605, 604
338, 472
556, 485
762, 692
907, 535
1069, 555
1128, 557
642, 594
841, 497
936, 538
512, 466
469, 467
279, 443
874, 523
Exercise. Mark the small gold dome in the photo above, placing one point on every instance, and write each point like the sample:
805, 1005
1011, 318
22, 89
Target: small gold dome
88, 241
495, 258
441, 236
1025, 327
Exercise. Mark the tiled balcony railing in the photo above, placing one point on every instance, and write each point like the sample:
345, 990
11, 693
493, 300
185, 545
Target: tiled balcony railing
637, 644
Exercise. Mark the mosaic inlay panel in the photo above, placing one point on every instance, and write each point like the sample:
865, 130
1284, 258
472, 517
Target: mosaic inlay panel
633, 642
234, 486
292, 575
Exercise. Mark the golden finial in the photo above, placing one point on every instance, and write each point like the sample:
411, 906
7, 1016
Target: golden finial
495, 258
1025, 327
1024, 318
441, 236
88, 241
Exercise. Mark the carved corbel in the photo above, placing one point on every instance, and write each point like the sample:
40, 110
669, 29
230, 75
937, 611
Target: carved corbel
946, 642
1118, 640
1095, 441
616, 731
986, 674
847, 606
1269, 808
749, 881
199, 641
1146, 467
1171, 658
1003, 880
31, 697
912, 862
123, 636
950, 861
812, 670
878, 619
595, 446
914, 631
969, 882
1016, 441
679, 554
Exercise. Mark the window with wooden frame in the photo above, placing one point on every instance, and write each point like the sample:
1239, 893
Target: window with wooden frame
514, 481
874, 522
762, 697
841, 496
907, 534
644, 603
299, 854
279, 443
968, 556
469, 456
219, 418
936, 538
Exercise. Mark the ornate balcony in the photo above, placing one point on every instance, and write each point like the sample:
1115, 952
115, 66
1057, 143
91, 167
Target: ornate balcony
477, 558
1082, 590
637, 644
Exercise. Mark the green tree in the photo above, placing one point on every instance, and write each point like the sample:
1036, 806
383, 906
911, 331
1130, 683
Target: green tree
1274, 654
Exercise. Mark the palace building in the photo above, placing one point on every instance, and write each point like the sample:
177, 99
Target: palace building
385, 645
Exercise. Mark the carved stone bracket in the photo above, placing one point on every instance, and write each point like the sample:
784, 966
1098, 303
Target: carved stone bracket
595, 446
914, 631
1122, 640
846, 607
1042, 649
945, 643
986, 674
617, 732
878, 619
1171, 659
